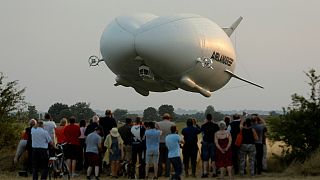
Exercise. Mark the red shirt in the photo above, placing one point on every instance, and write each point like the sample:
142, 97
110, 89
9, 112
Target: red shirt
60, 134
72, 133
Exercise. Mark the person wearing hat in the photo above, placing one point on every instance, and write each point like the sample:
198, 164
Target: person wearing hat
93, 142
164, 126
114, 145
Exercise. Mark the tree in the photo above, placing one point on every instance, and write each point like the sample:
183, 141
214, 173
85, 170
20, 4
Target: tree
217, 116
56, 110
120, 114
11, 98
81, 110
166, 109
32, 112
11, 104
299, 126
150, 114
209, 110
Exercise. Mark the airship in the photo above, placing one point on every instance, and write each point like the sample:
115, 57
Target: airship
163, 53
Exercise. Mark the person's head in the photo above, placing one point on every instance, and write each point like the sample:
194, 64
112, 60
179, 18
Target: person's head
72, 120
146, 124
254, 118
47, 116
209, 117
83, 123
39, 124
152, 125
114, 132
222, 125
63, 122
166, 116
236, 116
108, 113
247, 123
98, 129
95, 119
189, 122
32, 122
138, 120
227, 119
128, 121
173, 129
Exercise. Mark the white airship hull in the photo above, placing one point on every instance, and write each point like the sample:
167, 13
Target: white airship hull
159, 54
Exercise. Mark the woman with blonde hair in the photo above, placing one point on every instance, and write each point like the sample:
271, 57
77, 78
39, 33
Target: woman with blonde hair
59, 131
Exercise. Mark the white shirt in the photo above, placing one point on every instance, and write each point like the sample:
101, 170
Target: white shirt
40, 138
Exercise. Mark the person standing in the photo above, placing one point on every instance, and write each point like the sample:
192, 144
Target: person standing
114, 145
138, 145
190, 147
107, 123
247, 148
50, 126
152, 136
173, 142
40, 158
72, 150
208, 130
32, 123
59, 131
93, 142
234, 129
164, 126
223, 142
126, 135
259, 125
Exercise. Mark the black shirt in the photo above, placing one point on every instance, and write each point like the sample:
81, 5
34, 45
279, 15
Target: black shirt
126, 135
209, 129
107, 124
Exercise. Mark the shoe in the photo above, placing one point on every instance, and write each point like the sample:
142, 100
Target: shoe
204, 176
97, 178
74, 175
214, 175
88, 177
155, 177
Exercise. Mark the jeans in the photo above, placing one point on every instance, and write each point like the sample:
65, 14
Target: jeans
177, 166
259, 156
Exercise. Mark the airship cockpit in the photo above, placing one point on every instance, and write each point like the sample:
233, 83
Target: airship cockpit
145, 73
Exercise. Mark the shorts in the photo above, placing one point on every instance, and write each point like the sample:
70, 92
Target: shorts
93, 159
152, 156
72, 151
207, 151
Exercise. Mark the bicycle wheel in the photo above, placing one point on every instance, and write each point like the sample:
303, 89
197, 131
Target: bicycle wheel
65, 174
51, 171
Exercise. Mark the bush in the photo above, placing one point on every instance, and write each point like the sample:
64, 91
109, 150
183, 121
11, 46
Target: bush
10, 134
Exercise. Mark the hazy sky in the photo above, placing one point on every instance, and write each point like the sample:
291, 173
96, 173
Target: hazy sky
46, 44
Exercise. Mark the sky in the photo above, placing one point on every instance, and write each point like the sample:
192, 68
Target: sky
46, 44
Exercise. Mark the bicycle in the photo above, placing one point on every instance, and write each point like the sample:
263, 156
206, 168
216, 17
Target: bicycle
57, 166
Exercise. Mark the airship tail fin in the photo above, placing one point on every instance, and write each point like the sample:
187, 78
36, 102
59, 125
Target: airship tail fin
235, 76
233, 27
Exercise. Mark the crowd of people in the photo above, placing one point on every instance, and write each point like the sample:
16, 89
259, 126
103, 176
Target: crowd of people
138, 149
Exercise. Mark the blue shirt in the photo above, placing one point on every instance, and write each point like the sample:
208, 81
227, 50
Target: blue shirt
93, 140
40, 138
172, 143
152, 139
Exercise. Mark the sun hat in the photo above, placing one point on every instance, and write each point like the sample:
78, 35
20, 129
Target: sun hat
114, 132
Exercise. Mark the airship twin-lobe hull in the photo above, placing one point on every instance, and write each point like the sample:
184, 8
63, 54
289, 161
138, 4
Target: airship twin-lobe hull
151, 53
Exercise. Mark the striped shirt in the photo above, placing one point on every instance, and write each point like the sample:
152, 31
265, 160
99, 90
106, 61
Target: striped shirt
40, 138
